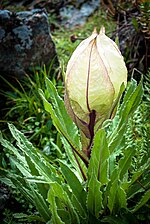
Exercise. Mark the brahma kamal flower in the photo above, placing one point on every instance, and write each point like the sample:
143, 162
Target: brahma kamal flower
95, 73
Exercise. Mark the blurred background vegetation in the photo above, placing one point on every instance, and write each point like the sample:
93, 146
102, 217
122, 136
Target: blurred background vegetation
127, 22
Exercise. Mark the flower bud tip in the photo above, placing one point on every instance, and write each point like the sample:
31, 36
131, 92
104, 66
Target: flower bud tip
102, 30
95, 31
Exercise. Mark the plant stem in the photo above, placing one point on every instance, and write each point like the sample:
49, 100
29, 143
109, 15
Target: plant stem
83, 174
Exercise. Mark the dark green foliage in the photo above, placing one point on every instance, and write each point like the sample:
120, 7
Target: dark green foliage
117, 174
24, 108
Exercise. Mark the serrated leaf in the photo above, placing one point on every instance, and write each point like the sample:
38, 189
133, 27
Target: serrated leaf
31, 166
94, 197
53, 207
125, 162
131, 101
116, 195
22, 185
61, 119
41, 205
22, 169
138, 186
135, 176
29, 218
79, 208
12, 149
36, 179
114, 144
131, 86
129, 90
112, 196
43, 167
122, 198
77, 189
73, 182
60, 110
99, 160
106, 193
57, 196
143, 201
72, 159
33, 170
7, 181
113, 220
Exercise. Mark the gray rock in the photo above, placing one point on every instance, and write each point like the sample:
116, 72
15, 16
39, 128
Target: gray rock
77, 14
25, 41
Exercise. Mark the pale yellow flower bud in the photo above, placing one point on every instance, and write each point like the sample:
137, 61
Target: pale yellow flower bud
94, 75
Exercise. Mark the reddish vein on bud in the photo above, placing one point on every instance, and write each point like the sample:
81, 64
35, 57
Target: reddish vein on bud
94, 75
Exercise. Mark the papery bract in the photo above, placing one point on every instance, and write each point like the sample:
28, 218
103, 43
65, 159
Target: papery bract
94, 76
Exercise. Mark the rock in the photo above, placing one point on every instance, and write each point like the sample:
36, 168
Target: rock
25, 41
77, 13
49, 5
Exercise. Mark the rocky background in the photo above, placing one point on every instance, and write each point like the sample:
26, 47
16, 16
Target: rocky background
68, 13
25, 41
25, 36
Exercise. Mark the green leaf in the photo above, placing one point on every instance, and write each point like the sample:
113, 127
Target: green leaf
37, 179
21, 185
61, 119
31, 166
136, 175
42, 188
53, 207
72, 159
59, 200
139, 185
106, 193
26, 165
114, 220
22, 169
60, 110
73, 182
99, 160
131, 87
112, 196
135, 24
13, 149
77, 189
79, 208
125, 161
43, 167
41, 205
117, 198
94, 198
6, 181
115, 143
98, 172
131, 101
115, 104
122, 198
143, 201
25, 217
